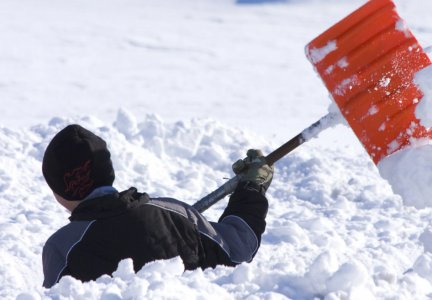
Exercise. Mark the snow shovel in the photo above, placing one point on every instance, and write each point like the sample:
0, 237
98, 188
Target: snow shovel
367, 61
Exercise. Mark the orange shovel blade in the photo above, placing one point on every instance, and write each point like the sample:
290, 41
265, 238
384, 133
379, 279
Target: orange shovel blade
367, 62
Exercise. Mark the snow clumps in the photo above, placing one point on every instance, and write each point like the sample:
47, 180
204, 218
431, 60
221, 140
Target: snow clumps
316, 55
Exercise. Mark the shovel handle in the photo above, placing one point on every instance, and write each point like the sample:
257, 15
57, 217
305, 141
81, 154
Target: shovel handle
285, 149
230, 186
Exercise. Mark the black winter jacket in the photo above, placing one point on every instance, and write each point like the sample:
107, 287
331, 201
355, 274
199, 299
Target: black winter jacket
129, 224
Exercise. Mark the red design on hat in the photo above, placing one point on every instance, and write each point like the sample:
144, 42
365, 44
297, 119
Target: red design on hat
78, 180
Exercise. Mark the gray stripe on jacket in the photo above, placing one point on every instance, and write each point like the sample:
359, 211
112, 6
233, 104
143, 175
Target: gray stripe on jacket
233, 234
57, 248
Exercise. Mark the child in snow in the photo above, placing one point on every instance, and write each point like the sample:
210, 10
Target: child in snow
108, 226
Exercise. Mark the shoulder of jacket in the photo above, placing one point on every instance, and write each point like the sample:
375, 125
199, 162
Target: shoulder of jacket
67, 236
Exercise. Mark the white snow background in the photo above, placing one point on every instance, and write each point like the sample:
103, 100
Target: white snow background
180, 89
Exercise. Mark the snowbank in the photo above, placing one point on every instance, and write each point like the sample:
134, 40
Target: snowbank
409, 173
423, 79
334, 229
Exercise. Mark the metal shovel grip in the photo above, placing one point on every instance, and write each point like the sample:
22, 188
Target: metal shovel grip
230, 186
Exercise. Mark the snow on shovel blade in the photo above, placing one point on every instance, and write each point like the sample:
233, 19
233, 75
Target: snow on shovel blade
367, 62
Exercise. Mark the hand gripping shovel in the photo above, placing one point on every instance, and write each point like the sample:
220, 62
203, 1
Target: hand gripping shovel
367, 61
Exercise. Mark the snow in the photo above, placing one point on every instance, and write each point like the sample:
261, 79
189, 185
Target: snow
342, 63
426, 239
401, 26
408, 170
180, 59
180, 90
318, 54
335, 228
328, 121
344, 85
423, 79
373, 110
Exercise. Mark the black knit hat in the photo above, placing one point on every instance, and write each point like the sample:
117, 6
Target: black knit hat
76, 162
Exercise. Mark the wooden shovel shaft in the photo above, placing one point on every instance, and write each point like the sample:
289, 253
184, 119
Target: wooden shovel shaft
230, 186
285, 149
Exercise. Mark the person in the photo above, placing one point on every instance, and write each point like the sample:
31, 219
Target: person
107, 226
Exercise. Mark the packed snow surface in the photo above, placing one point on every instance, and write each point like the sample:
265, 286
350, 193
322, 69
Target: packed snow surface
335, 230
189, 74
409, 173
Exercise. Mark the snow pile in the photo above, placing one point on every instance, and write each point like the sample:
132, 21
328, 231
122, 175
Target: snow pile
157, 280
334, 229
426, 239
409, 173
423, 264
409, 170
423, 79
196, 156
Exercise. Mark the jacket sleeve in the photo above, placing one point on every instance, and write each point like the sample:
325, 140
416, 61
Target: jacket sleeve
240, 228
53, 264
249, 205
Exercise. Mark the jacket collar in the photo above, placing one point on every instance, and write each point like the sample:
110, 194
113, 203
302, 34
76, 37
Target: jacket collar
101, 191
108, 205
